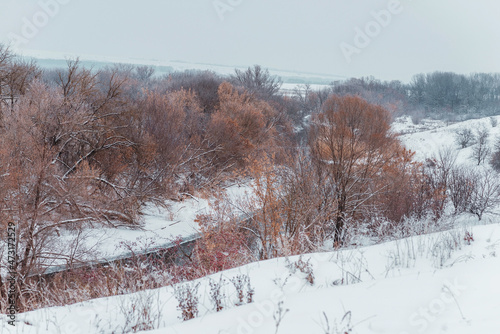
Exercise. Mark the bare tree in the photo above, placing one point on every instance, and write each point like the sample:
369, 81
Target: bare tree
204, 84
257, 81
38, 196
464, 137
145, 72
309, 203
493, 121
482, 149
67, 160
5, 59
20, 74
15, 75
495, 158
351, 140
445, 162
486, 194
461, 186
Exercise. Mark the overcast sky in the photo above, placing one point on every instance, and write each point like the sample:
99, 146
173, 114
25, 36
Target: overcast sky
388, 39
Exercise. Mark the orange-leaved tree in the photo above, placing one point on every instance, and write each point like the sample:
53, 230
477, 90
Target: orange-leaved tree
351, 140
242, 126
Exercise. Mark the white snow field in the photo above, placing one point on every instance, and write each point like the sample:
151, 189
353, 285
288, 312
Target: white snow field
445, 282
435, 283
427, 138
161, 226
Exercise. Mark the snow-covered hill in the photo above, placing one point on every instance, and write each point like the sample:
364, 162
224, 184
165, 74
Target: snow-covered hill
427, 138
445, 282
440, 283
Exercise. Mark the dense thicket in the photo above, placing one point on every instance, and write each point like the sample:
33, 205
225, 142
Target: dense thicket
82, 148
89, 148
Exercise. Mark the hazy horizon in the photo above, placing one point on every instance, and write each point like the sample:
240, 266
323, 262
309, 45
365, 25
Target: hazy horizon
390, 40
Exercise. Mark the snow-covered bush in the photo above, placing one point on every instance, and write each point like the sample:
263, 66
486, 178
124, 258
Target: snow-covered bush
217, 296
188, 300
244, 289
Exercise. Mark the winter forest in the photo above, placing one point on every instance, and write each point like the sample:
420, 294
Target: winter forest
86, 150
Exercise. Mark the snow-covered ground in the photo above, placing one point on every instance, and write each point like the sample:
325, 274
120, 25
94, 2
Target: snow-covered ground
436, 283
427, 138
161, 227
445, 282
405, 125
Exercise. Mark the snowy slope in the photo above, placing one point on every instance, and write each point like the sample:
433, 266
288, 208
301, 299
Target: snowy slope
439, 283
427, 143
428, 284
161, 225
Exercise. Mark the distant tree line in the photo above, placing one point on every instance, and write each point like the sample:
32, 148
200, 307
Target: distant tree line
440, 95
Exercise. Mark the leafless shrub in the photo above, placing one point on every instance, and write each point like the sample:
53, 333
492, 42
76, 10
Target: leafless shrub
486, 195
342, 327
281, 282
187, 296
304, 267
461, 187
250, 291
443, 246
242, 283
417, 116
352, 267
482, 149
203, 83
495, 157
475, 192
468, 237
446, 160
139, 313
493, 121
216, 294
81, 284
464, 137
